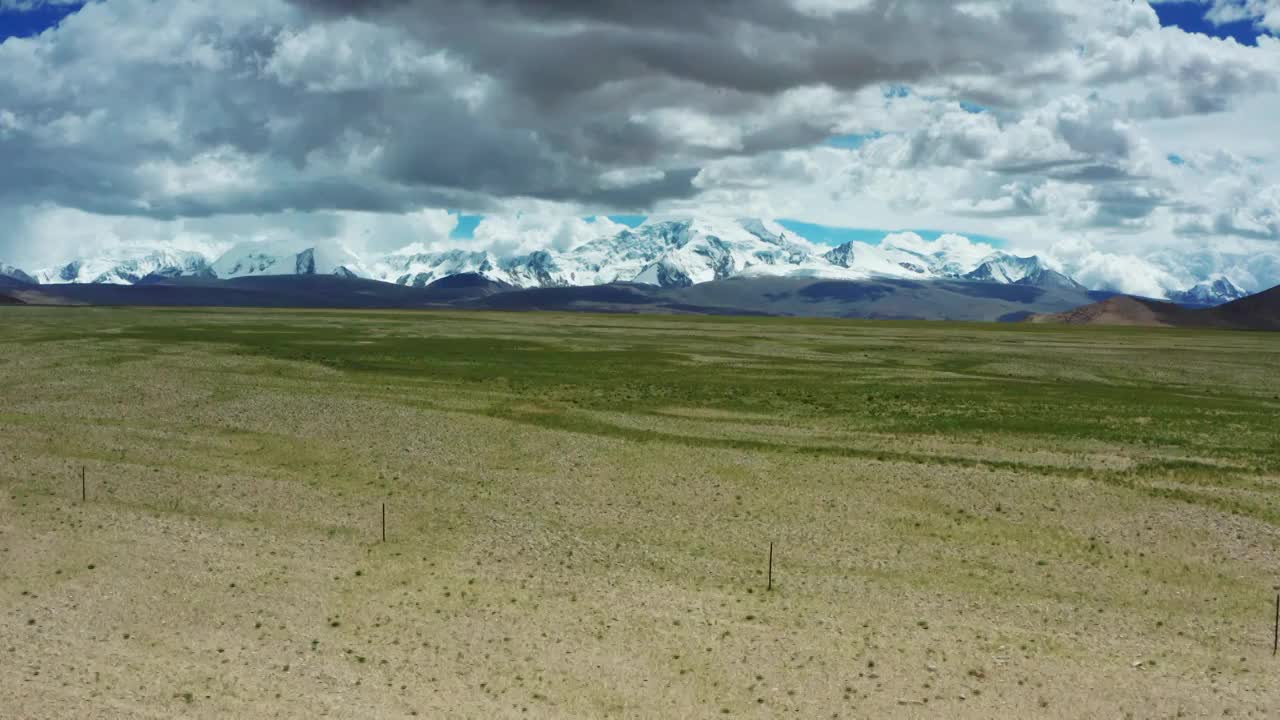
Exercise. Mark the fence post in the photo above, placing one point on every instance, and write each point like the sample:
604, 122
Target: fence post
770, 566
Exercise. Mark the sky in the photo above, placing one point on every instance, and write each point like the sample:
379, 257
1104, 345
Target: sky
1132, 144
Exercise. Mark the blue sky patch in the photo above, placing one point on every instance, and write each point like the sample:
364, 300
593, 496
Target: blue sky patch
26, 23
631, 221
853, 142
1176, 159
466, 228
1190, 16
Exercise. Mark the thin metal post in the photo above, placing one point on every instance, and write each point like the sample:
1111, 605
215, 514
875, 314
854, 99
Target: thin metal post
771, 566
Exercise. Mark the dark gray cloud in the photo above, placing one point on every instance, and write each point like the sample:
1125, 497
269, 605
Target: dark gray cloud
577, 87
1090, 171
550, 51
380, 104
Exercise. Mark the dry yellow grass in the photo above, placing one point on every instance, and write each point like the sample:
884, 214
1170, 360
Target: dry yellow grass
560, 546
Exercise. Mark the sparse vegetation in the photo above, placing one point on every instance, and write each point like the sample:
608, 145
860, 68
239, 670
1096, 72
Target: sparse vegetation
970, 521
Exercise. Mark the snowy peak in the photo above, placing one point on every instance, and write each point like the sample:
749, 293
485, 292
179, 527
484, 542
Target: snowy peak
671, 253
907, 255
664, 273
249, 259
537, 269
305, 263
1006, 268
844, 255
1215, 291
15, 273
249, 263
1013, 270
127, 266
676, 253
420, 269
1046, 278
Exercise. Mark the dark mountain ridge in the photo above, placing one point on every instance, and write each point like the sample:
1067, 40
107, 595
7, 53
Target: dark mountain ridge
781, 296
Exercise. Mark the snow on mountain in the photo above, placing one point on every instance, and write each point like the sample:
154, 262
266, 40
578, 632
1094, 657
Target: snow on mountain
907, 255
1047, 278
289, 258
15, 273
1001, 267
1215, 291
1005, 268
419, 269
670, 253
864, 260
674, 252
537, 269
686, 252
125, 266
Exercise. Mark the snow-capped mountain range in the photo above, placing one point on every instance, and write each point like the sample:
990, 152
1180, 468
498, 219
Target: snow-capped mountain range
670, 253
1215, 291
126, 266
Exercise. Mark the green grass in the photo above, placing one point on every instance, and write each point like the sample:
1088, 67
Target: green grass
579, 507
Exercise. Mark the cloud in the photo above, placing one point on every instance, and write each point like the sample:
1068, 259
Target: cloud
350, 56
1121, 272
1180, 73
29, 5
390, 105
1238, 208
1044, 122
378, 233
551, 51
510, 235
395, 104
1263, 13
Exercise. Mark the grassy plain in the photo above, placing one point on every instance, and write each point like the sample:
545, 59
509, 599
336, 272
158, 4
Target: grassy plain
969, 521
